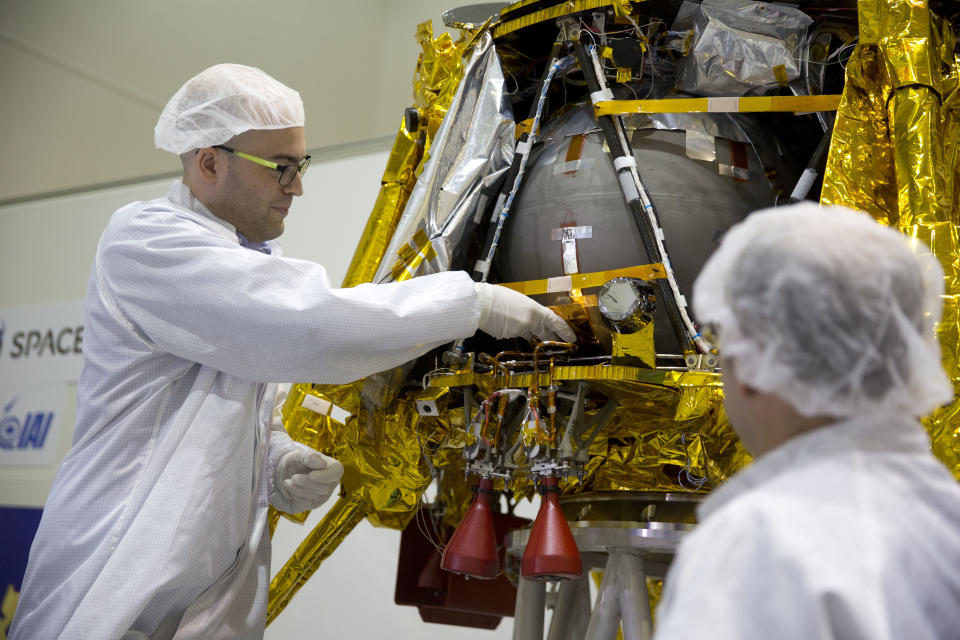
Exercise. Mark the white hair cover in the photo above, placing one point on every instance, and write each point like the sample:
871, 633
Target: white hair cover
224, 101
828, 309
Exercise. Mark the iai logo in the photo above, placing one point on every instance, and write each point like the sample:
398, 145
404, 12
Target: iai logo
27, 433
30, 424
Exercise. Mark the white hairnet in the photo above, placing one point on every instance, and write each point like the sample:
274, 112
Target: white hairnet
829, 310
222, 102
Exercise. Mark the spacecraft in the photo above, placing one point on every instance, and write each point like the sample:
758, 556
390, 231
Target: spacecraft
591, 154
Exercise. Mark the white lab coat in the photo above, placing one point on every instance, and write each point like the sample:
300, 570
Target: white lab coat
848, 532
156, 522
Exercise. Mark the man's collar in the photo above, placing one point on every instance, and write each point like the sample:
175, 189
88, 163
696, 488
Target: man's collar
180, 194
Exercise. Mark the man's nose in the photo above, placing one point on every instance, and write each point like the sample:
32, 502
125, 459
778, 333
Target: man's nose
295, 187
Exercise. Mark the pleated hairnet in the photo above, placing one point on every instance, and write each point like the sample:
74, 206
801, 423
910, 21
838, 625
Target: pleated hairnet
223, 101
828, 309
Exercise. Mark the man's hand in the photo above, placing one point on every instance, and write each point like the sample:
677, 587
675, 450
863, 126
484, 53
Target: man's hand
505, 313
308, 478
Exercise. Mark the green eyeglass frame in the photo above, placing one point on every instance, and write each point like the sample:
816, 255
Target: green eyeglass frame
287, 171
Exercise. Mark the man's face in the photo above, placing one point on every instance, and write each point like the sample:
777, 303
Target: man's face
251, 197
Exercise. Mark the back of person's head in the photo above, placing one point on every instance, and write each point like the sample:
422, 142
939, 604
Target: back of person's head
223, 101
829, 310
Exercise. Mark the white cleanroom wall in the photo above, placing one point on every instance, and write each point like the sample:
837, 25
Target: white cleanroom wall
49, 246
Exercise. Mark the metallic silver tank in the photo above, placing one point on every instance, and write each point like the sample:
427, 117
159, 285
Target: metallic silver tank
703, 173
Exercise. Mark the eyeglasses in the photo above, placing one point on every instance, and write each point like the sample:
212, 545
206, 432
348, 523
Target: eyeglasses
287, 171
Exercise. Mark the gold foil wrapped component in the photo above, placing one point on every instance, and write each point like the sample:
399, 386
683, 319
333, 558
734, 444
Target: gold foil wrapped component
346, 514
658, 441
395, 187
637, 347
894, 154
437, 77
472, 145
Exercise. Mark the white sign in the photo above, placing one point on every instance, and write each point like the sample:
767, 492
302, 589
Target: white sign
30, 417
41, 343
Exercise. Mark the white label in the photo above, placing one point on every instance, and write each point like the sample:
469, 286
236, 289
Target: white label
317, 405
601, 96
41, 343
723, 105
482, 266
559, 233
339, 415
30, 417
561, 283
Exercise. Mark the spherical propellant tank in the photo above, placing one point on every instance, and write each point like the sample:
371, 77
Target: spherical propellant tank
702, 171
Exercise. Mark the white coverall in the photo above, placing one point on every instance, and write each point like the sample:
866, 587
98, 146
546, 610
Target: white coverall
851, 532
156, 522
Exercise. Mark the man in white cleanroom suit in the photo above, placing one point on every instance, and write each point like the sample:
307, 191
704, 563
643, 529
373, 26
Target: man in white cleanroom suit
156, 523
845, 526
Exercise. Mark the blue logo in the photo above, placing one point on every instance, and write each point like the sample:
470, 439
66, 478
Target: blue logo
29, 433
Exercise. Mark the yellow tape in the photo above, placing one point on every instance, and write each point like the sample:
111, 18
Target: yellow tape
718, 105
624, 74
607, 53
562, 9
411, 258
780, 73
523, 127
622, 8
585, 280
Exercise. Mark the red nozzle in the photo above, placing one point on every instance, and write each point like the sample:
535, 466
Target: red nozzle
472, 549
551, 552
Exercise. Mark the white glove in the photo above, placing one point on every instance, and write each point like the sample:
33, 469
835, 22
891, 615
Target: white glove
308, 478
505, 313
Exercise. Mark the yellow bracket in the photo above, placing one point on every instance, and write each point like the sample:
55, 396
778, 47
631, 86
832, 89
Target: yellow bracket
585, 280
797, 104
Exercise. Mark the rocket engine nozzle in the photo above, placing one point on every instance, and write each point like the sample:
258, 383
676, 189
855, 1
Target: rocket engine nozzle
551, 553
472, 550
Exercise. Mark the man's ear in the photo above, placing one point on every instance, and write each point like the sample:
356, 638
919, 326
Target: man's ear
210, 165
746, 390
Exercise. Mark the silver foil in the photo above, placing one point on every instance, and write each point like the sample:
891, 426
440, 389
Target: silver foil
473, 146
738, 44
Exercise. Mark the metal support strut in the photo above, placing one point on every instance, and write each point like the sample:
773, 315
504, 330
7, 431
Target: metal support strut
641, 207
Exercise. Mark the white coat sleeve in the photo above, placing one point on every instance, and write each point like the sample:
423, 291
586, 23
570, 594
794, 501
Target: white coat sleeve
184, 289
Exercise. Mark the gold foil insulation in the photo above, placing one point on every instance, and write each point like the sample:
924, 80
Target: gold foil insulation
395, 187
346, 514
895, 154
437, 76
